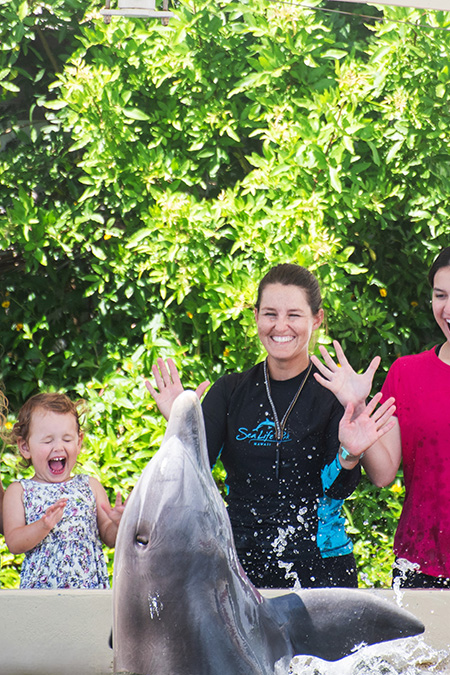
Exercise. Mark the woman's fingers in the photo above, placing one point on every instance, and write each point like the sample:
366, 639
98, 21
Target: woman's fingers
165, 375
373, 365
340, 354
377, 413
174, 375
202, 388
327, 358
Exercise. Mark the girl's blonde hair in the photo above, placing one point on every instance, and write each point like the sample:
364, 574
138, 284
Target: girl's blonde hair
58, 403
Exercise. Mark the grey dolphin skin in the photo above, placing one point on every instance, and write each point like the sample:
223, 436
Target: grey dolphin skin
182, 602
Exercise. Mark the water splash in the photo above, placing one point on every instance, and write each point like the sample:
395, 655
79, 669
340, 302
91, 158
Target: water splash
279, 545
411, 656
155, 605
403, 566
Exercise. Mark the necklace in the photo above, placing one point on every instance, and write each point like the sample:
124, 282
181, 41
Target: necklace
279, 426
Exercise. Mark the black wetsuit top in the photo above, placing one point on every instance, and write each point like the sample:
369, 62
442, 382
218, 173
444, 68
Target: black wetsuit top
283, 505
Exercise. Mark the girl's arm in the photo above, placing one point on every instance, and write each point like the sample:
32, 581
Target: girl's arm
19, 536
2, 494
108, 518
382, 460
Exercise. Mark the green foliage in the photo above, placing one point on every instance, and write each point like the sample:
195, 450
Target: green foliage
372, 516
150, 175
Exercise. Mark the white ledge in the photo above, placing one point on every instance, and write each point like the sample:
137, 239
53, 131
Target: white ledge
67, 632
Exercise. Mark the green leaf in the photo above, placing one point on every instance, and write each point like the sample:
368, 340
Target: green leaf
98, 252
22, 10
335, 178
393, 151
9, 86
334, 54
135, 114
55, 104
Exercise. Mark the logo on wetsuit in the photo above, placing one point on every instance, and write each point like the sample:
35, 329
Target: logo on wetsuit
262, 434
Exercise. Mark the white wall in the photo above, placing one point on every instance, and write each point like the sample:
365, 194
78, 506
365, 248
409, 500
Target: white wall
55, 632
67, 632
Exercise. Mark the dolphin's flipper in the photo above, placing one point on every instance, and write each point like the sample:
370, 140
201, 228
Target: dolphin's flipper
331, 623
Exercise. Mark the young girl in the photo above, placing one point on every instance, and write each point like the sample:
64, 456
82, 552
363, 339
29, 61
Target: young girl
57, 519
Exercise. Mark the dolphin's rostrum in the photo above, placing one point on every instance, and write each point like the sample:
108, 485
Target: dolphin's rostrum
182, 602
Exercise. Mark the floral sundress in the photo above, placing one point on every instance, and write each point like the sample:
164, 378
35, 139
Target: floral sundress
71, 555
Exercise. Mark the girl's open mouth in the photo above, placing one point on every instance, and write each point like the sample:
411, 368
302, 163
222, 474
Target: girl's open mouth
57, 465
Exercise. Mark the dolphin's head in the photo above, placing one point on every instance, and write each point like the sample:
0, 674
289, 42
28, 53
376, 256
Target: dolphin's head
173, 514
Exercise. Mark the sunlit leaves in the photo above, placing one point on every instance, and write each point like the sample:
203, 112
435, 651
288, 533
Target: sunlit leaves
151, 175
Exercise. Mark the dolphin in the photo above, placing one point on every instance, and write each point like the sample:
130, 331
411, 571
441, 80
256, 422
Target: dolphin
182, 603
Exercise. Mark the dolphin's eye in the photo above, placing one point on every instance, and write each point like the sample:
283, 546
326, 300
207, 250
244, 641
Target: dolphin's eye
141, 540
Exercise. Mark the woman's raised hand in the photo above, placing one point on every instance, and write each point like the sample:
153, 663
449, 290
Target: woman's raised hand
358, 433
169, 386
347, 385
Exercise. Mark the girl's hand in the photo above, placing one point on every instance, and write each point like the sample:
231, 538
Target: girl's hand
53, 514
347, 385
169, 386
358, 434
115, 513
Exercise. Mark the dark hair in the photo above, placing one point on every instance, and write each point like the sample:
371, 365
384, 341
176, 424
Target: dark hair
289, 274
442, 260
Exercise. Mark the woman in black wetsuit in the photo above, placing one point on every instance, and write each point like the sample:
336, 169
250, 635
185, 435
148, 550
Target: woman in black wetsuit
290, 451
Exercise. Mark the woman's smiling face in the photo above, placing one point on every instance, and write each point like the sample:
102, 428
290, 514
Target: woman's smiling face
441, 300
53, 445
285, 323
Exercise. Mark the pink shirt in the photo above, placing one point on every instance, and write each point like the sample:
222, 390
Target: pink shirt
421, 387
